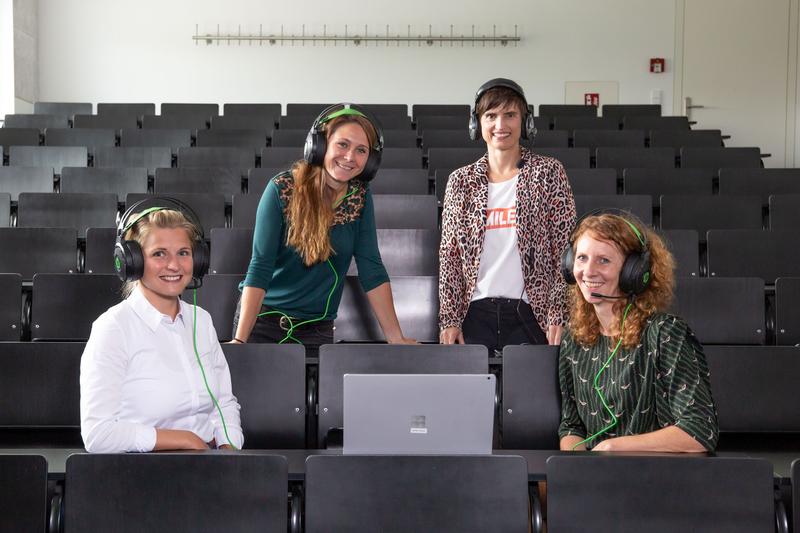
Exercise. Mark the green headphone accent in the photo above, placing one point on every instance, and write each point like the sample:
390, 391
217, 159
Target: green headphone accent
141, 215
638, 236
343, 112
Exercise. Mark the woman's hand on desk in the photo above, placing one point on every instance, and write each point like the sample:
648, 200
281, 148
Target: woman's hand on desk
402, 340
178, 439
451, 335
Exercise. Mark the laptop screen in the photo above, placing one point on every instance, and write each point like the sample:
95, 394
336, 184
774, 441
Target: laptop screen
418, 413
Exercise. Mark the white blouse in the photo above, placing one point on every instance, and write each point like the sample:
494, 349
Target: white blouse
139, 372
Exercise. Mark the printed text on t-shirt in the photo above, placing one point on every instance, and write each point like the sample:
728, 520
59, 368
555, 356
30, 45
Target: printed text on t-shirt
503, 217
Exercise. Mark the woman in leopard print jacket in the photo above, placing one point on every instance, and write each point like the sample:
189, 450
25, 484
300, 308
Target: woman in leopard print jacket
507, 218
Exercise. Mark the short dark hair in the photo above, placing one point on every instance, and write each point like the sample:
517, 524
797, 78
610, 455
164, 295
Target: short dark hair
497, 97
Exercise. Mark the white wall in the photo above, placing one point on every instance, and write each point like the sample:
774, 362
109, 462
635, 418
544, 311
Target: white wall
101, 51
6, 58
26, 53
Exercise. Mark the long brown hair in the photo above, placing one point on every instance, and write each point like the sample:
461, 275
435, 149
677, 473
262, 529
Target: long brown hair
310, 213
657, 296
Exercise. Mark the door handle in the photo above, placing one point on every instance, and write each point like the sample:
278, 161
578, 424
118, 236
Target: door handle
687, 105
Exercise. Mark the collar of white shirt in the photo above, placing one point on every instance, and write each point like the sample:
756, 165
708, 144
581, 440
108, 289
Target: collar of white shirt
151, 316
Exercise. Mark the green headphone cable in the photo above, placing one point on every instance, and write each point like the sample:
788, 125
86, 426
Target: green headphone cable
203, 372
292, 325
597, 379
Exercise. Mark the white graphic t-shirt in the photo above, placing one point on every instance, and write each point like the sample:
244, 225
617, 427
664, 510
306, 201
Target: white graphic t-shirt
500, 271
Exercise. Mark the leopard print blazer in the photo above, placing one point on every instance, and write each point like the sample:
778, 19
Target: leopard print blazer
545, 219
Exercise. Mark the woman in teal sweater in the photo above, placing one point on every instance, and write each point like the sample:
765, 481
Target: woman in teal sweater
311, 221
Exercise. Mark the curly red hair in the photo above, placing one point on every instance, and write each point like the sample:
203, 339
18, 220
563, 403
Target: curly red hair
657, 296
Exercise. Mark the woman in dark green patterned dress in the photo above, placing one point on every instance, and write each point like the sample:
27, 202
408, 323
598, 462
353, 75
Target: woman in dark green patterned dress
632, 377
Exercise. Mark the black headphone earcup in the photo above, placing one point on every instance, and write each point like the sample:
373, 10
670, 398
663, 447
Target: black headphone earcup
200, 259
371, 166
128, 260
528, 128
314, 149
567, 264
635, 274
474, 126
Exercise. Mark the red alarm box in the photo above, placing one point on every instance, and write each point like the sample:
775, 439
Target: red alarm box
657, 65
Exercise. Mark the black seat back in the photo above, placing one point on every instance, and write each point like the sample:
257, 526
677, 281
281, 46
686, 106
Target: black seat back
416, 300
39, 385
405, 211
79, 210
659, 494
621, 158
30, 250
55, 157
658, 181
23, 492
531, 398
706, 304
705, 212
400, 181
590, 181
754, 388
119, 181
639, 205
568, 157
720, 157
231, 249
14, 180
269, 381
421, 493
149, 157
171, 492
212, 179
767, 254
407, 252
787, 311
65, 305
10, 307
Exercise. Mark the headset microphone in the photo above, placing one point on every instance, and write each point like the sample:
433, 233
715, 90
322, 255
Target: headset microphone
598, 295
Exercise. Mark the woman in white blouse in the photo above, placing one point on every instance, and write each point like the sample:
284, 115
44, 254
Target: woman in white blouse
142, 385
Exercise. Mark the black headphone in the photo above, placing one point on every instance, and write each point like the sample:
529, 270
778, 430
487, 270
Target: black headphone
128, 256
528, 128
635, 274
317, 140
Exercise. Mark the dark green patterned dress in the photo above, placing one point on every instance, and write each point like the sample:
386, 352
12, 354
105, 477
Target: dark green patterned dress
663, 381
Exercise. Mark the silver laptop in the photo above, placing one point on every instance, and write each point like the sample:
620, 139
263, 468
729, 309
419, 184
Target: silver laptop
418, 413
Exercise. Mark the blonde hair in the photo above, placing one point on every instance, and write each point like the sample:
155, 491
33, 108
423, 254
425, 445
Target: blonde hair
657, 296
310, 214
161, 219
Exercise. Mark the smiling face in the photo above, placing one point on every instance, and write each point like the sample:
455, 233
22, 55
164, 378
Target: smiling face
347, 153
597, 267
168, 267
501, 126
